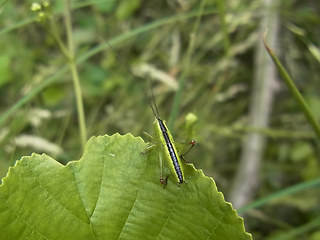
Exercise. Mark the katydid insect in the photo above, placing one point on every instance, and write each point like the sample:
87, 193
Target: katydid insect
163, 139
168, 150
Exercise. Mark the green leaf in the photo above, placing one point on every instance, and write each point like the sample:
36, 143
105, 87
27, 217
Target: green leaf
294, 91
127, 8
301, 151
53, 95
112, 192
105, 6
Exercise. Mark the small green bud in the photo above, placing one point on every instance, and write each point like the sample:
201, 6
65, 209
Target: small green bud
41, 15
190, 122
35, 6
46, 4
191, 119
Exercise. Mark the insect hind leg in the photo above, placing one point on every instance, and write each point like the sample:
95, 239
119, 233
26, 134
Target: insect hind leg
191, 144
163, 180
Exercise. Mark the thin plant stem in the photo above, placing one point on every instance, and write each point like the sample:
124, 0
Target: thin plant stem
296, 231
186, 66
294, 91
55, 34
75, 75
87, 55
290, 190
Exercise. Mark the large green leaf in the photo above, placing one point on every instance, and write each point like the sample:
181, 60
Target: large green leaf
112, 192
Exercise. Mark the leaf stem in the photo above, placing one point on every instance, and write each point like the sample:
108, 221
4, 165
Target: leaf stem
287, 191
294, 91
75, 74
55, 34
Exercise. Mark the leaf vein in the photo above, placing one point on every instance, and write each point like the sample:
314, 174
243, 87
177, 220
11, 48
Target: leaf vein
135, 200
215, 227
20, 217
165, 223
89, 217
51, 196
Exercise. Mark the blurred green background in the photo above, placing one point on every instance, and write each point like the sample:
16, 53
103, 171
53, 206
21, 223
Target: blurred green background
212, 52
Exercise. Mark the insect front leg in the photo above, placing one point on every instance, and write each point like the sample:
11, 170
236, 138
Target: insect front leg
151, 144
148, 149
149, 136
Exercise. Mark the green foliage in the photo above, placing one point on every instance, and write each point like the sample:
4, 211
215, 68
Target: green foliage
127, 8
295, 93
4, 69
217, 87
112, 192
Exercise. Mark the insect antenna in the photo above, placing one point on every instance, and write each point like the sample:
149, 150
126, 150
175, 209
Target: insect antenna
154, 99
152, 102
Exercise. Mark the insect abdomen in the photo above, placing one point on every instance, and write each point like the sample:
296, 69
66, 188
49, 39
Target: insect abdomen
173, 160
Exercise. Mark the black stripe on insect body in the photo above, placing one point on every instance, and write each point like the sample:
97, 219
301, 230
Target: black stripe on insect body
172, 153
162, 126
175, 162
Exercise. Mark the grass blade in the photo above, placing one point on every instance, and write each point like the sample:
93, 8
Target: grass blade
295, 92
